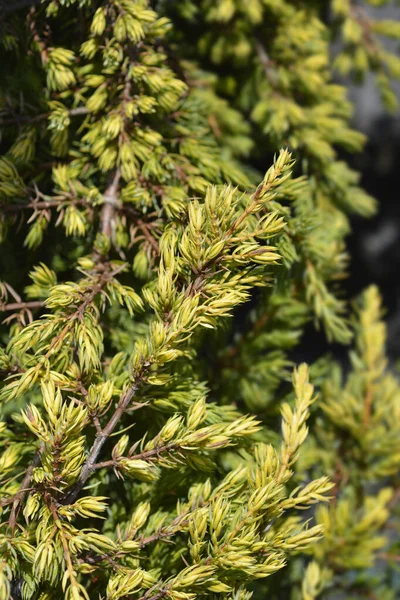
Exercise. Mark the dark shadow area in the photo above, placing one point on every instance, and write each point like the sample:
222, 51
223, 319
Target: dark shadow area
374, 245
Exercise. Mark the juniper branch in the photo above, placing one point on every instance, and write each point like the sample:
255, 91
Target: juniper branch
145, 455
13, 306
24, 488
101, 438
21, 119
45, 204
110, 202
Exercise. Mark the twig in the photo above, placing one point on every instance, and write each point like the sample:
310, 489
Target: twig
160, 594
145, 229
111, 204
110, 197
99, 442
368, 405
262, 188
110, 200
169, 530
21, 305
80, 110
42, 205
388, 556
362, 18
66, 551
79, 313
147, 454
266, 63
24, 487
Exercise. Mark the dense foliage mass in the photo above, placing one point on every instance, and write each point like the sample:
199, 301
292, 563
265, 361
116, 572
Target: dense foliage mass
157, 439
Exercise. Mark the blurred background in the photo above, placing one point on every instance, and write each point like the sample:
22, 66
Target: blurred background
374, 245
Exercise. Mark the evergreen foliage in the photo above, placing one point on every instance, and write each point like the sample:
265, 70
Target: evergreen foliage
157, 439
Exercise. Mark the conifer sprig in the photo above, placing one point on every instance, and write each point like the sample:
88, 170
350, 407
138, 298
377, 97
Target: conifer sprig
156, 438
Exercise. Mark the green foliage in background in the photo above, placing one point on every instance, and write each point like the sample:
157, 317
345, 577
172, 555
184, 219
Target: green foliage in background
173, 211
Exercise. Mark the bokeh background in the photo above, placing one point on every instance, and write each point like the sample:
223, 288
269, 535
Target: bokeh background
374, 245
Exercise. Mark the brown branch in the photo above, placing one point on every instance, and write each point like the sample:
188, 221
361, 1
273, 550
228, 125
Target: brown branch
147, 454
110, 202
266, 63
361, 17
24, 487
163, 533
101, 437
79, 313
262, 188
59, 202
21, 305
99, 442
367, 405
66, 551
160, 594
389, 557
80, 110
110, 197
109, 207
43, 205
168, 530
145, 229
